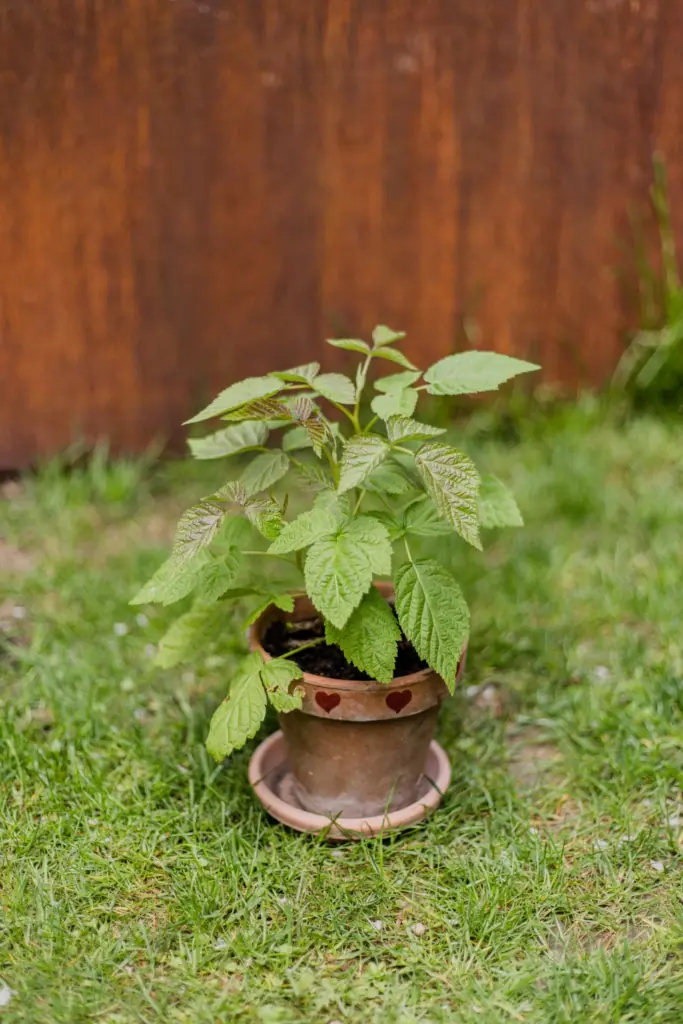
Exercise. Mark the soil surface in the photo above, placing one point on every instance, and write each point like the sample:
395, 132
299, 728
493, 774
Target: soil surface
327, 659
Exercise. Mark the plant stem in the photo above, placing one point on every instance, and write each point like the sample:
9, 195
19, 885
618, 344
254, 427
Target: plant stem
360, 498
272, 554
302, 647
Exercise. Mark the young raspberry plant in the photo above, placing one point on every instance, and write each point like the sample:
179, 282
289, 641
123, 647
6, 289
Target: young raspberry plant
372, 489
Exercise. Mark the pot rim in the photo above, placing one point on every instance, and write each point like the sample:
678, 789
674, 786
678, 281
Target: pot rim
353, 685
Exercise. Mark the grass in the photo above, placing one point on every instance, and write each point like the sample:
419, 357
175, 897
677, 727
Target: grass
142, 883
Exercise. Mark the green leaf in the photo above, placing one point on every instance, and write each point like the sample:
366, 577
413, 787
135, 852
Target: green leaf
497, 506
239, 438
298, 374
397, 381
314, 475
452, 482
265, 514
238, 718
421, 519
391, 524
236, 532
264, 471
401, 428
370, 637
339, 568
197, 527
238, 394
295, 439
350, 344
336, 387
362, 453
277, 675
383, 335
373, 536
318, 434
306, 529
190, 635
395, 403
176, 578
283, 601
390, 478
468, 373
272, 411
394, 356
433, 615
172, 581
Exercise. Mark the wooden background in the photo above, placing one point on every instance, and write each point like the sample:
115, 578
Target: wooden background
194, 191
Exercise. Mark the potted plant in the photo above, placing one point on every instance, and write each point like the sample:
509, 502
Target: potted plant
363, 637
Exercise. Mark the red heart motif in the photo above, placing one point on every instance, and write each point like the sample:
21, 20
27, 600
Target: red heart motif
327, 701
399, 699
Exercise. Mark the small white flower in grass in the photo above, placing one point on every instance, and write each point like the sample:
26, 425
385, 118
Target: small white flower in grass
203, 862
6, 994
674, 821
419, 928
337, 853
120, 628
150, 650
19, 612
220, 944
377, 925
627, 838
656, 865
602, 673
600, 844
533, 831
141, 715
142, 619
283, 901
127, 685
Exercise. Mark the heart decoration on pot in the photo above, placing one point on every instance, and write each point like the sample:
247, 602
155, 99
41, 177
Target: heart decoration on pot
399, 699
327, 701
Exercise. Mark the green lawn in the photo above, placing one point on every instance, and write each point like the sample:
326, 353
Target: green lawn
141, 883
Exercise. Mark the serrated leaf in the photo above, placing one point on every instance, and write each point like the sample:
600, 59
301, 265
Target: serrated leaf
277, 675
306, 529
421, 519
238, 394
452, 481
314, 475
370, 637
394, 356
298, 374
390, 478
295, 439
232, 491
433, 615
283, 601
238, 718
176, 578
191, 634
171, 582
338, 504
402, 428
349, 344
197, 527
361, 454
265, 514
264, 471
391, 524
397, 381
395, 403
374, 537
497, 506
235, 531
318, 434
336, 387
239, 438
468, 373
338, 569
383, 335
272, 411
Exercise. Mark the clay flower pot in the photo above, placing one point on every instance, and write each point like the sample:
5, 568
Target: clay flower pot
357, 749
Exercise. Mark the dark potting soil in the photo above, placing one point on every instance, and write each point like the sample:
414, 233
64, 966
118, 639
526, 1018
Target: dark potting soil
327, 659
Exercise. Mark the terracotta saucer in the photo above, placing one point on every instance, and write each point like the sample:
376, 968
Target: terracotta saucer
271, 779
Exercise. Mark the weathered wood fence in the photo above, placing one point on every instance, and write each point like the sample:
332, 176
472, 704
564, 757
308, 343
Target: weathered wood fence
193, 190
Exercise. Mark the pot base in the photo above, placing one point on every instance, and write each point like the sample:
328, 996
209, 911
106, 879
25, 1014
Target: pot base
273, 784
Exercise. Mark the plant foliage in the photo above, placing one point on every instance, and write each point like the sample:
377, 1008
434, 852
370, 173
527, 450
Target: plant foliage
374, 490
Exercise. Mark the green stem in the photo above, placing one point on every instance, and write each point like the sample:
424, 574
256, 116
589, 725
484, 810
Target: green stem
408, 551
342, 409
368, 427
271, 554
360, 498
302, 647
359, 391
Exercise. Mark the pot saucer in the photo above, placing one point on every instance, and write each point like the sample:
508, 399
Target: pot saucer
272, 782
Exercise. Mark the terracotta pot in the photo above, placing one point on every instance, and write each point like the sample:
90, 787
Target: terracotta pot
357, 749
